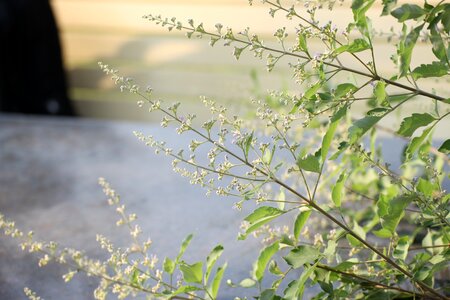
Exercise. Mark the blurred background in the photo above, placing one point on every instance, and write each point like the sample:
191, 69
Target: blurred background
114, 32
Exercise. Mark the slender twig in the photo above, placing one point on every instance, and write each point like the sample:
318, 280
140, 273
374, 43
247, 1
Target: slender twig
375, 284
374, 77
315, 206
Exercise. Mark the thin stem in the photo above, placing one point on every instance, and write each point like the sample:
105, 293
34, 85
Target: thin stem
374, 77
294, 157
312, 24
375, 284
312, 204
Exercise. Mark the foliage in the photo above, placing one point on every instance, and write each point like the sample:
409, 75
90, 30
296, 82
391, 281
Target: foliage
360, 229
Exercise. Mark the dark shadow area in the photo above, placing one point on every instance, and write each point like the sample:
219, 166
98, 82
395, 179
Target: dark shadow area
32, 79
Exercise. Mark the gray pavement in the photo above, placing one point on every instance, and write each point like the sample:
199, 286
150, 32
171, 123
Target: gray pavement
48, 183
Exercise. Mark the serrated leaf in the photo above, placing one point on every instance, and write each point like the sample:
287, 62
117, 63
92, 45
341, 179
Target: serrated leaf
217, 281
327, 139
343, 89
445, 147
387, 6
264, 257
247, 144
438, 48
379, 92
361, 126
401, 250
408, 11
183, 247
169, 266
312, 90
416, 142
435, 69
212, 259
336, 193
302, 255
357, 45
378, 111
395, 213
445, 20
410, 124
359, 8
274, 269
309, 163
192, 273
301, 39
303, 278
426, 187
405, 48
268, 294
261, 216
300, 221
346, 265
296, 288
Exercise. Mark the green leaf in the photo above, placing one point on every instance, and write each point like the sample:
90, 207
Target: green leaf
263, 259
192, 273
184, 245
359, 232
343, 89
405, 48
261, 216
247, 144
312, 90
301, 255
300, 221
169, 266
388, 5
359, 8
379, 92
416, 142
408, 11
445, 147
301, 39
435, 69
268, 294
438, 48
217, 280
309, 163
346, 265
296, 288
401, 250
445, 20
426, 187
336, 193
357, 45
386, 195
274, 269
302, 280
327, 139
182, 290
212, 259
360, 127
378, 111
383, 233
396, 212
410, 124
